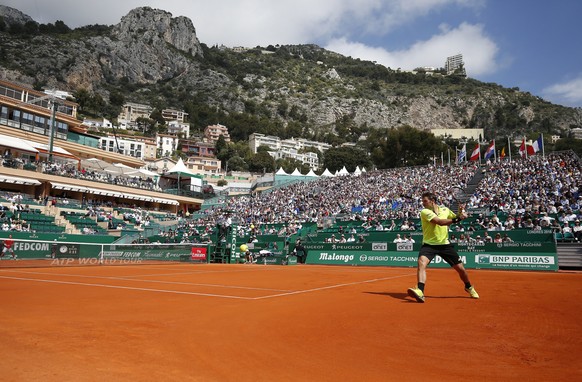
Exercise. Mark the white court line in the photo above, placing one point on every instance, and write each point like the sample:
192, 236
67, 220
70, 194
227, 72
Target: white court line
152, 281
130, 288
188, 273
209, 294
331, 287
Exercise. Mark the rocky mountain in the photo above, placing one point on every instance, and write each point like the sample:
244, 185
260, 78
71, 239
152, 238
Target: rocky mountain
150, 56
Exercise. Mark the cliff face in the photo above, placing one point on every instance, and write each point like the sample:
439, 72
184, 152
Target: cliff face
150, 55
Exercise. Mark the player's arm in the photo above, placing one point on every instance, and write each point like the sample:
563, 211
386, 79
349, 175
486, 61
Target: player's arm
451, 219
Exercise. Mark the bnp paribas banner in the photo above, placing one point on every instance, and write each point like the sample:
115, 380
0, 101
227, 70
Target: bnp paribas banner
522, 255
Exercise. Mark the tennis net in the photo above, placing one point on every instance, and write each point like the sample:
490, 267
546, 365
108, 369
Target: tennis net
39, 253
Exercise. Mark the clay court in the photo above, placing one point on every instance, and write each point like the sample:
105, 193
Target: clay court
214, 322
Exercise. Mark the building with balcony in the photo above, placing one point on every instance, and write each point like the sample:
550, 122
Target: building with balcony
198, 149
166, 145
289, 148
212, 133
203, 166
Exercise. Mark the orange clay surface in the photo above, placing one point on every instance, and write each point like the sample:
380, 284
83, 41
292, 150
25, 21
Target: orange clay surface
214, 322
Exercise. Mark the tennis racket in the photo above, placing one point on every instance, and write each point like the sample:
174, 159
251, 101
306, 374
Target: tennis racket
460, 198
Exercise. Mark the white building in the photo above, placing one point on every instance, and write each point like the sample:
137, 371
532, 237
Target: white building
166, 144
123, 146
176, 127
101, 122
288, 148
310, 159
453, 63
131, 112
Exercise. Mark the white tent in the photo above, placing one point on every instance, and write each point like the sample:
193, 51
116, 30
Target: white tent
180, 170
327, 173
358, 171
120, 169
311, 173
281, 172
296, 172
95, 163
363, 169
142, 172
343, 172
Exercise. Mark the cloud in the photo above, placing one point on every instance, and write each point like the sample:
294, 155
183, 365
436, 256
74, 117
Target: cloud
567, 93
478, 50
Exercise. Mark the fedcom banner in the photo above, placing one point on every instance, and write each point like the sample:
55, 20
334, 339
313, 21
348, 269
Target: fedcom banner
526, 256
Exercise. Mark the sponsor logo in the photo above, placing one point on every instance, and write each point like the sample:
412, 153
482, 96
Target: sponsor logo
404, 246
514, 260
22, 246
324, 256
379, 246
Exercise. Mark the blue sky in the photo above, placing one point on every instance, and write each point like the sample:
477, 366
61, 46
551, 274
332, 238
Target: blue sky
532, 45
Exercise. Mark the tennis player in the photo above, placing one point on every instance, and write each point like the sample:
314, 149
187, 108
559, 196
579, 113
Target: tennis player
435, 220
8, 243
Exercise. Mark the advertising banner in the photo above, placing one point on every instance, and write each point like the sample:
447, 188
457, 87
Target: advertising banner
524, 255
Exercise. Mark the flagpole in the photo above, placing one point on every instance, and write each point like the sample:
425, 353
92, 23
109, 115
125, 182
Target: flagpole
525, 146
494, 153
543, 147
449, 156
509, 147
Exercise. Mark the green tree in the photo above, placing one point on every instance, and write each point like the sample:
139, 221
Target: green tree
237, 163
220, 144
569, 144
403, 147
262, 161
263, 148
350, 157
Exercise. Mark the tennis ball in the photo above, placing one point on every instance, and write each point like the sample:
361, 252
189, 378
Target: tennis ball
244, 248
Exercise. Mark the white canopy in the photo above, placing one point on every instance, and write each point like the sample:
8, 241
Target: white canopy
16, 143
311, 173
95, 163
358, 171
296, 172
281, 172
120, 169
327, 173
144, 172
181, 170
343, 172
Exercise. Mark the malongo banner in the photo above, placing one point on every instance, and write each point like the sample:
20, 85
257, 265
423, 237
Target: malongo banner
523, 255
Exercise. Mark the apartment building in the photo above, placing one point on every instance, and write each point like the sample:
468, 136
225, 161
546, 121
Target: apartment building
212, 132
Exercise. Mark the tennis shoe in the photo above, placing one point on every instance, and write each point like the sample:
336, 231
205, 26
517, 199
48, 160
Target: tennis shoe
416, 293
472, 292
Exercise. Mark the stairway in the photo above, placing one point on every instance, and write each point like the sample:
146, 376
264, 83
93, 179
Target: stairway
472, 185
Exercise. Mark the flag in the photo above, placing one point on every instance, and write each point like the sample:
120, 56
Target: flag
502, 155
522, 151
462, 154
476, 153
538, 144
490, 150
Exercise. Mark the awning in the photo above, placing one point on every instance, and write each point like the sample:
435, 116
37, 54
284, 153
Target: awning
16, 143
18, 180
68, 187
116, 194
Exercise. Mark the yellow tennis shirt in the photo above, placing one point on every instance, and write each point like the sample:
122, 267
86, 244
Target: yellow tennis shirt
433, 233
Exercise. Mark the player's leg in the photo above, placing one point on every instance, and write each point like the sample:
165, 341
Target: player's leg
425, 256
451, 256
460, 268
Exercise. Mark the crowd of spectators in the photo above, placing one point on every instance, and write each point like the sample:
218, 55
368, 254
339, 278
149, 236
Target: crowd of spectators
71, 171
369, 199
534, 193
